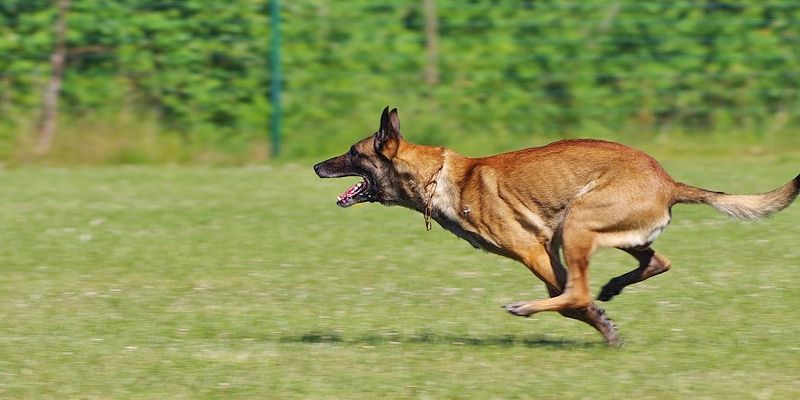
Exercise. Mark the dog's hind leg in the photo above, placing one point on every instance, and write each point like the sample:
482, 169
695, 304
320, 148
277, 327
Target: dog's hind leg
597, 318
650, 264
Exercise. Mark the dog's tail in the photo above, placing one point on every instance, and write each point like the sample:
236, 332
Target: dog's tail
740, 206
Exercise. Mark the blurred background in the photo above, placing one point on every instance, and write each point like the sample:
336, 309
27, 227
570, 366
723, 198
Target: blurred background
242, 81
182, 279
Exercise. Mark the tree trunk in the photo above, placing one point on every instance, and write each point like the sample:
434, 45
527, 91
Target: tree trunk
431, 42
47, 123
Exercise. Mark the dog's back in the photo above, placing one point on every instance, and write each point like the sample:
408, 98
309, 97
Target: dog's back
552, 178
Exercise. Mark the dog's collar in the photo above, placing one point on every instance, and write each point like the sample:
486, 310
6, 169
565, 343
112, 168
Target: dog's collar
429, 197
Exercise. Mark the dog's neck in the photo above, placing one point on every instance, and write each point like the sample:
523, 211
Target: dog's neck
429, 177
418, 167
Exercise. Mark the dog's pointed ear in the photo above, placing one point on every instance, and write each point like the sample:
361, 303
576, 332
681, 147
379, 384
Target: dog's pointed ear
390, 125
395, 123
388, 133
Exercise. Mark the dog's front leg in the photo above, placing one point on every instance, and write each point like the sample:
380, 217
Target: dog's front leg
546, 267
576, 290
543, 261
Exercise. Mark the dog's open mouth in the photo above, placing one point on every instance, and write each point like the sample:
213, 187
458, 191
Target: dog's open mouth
356, 194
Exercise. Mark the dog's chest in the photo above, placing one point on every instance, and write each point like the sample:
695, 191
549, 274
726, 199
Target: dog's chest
459, 221
457, 216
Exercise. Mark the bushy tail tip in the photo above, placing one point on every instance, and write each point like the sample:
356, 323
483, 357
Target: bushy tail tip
741, 206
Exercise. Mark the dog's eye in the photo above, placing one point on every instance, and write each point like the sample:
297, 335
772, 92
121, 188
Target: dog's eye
353, 152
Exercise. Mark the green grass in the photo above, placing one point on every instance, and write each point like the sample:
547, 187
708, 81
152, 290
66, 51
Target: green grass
165, 282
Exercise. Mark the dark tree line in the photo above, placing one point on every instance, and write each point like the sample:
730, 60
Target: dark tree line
506, 69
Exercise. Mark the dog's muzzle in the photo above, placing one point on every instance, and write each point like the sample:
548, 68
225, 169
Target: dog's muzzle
318, 169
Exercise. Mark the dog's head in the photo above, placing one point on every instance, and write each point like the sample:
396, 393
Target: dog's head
370, 159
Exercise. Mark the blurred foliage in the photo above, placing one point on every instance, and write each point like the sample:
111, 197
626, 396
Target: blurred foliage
509, 70
197, 65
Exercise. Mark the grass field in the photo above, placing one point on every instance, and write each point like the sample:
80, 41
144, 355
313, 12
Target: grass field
167, 282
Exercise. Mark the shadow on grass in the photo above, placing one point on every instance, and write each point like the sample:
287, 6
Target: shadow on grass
315, 337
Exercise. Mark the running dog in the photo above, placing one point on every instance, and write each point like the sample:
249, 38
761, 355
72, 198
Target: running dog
529, 205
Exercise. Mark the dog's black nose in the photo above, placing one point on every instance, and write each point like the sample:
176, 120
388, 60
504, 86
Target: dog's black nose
317, 167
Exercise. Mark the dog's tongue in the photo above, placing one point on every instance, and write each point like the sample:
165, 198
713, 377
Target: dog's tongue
344, 198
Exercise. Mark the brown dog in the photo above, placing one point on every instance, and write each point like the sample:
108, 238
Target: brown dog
575, 195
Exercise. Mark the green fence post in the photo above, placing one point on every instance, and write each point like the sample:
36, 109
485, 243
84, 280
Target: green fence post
276, 76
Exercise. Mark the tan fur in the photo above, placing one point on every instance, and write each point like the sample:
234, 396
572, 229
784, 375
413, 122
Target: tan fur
575, 195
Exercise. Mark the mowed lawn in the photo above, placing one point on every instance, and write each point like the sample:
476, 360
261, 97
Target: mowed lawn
179, 282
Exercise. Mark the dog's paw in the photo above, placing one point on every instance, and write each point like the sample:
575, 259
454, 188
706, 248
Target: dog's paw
520, 308
608, 292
